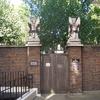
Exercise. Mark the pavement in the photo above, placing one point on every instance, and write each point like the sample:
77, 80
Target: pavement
94, 95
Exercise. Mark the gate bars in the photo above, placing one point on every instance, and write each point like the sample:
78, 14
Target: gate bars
15, 84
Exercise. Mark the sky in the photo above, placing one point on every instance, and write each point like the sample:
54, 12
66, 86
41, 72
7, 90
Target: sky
15, 2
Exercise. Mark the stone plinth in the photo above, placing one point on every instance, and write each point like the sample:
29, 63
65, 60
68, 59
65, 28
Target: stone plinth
33, 41
74, 42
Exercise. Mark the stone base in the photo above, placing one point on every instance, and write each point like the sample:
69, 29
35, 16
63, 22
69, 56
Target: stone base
33, 41
74, 42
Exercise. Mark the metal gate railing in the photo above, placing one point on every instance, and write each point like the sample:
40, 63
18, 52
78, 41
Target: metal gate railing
14, 84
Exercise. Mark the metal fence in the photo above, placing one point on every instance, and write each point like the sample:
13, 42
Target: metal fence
14, 84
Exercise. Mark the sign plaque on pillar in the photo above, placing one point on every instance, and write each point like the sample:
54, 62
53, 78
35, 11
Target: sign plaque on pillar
33, 63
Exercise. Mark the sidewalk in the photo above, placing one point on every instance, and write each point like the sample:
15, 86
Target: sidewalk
83, 96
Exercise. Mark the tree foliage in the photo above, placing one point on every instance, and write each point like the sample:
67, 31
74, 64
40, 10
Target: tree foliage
54, 21
11, 24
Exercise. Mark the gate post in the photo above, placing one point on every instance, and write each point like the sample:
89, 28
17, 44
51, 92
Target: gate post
74, 56
33, 54
75, 68
33, 65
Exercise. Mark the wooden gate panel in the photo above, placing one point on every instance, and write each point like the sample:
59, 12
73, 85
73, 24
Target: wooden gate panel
60, 71
55, 76
45, 74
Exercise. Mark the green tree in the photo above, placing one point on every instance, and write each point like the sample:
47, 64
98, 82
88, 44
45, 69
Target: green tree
11, 24
54, 21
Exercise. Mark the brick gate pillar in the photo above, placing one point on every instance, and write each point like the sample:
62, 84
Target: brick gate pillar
33, 60
75, 68
75, 56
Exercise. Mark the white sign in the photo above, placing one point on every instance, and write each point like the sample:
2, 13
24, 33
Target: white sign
33, 63
47, 64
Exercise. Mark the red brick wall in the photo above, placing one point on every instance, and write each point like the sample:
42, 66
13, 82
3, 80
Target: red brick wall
91, 68
19, 59
89, 57
13, 58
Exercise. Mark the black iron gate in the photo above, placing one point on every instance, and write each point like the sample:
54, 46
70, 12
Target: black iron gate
14, 84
